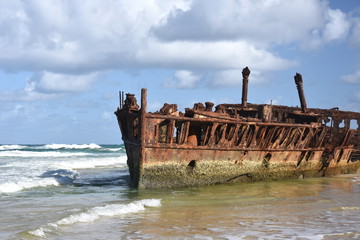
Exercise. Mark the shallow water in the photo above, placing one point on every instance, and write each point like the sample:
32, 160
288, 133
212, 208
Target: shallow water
84, 195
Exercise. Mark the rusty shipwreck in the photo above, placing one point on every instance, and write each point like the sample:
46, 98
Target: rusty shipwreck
236, 142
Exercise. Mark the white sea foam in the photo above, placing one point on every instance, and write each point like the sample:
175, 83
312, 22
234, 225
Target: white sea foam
72, 146
109, 211
10, 147
11, 187
18, 153
38, 232
93, 214
93, 163
113, 149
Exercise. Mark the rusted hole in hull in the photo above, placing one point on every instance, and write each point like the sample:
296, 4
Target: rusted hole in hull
266, 160
192, 164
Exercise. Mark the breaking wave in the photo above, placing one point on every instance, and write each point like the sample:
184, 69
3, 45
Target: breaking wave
25, 154
17, 186
29, 166
93, 163
93, 214
11, 147
72, 146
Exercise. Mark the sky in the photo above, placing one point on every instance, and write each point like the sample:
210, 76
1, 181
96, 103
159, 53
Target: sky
63, 62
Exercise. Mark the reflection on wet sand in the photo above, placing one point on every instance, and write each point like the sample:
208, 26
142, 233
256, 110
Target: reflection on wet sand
288, 209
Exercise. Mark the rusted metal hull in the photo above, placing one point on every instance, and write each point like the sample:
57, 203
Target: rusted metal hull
236, 143
257, 152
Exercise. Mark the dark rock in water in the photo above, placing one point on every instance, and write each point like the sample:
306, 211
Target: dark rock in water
62, 176
101, 181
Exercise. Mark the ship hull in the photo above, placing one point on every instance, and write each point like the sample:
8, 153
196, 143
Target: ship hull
167, 168
167, 149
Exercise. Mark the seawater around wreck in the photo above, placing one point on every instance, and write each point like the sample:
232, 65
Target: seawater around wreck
92, 200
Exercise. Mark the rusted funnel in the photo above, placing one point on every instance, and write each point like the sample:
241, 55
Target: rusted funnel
299, 86
246, 74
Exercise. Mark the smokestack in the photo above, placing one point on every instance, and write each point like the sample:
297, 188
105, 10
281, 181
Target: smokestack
246, 74
299, 86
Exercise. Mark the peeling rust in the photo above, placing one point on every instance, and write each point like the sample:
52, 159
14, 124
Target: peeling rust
236, 142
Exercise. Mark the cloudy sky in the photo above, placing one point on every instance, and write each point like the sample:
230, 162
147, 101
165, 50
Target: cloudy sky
62, 62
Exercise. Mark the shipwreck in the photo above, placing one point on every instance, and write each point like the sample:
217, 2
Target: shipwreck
245, 142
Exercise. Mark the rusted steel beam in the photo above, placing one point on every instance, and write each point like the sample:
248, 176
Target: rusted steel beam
234, 121
246, 74
299, 86
143, 124
221, 148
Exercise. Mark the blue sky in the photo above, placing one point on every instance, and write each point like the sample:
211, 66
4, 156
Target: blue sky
62, 63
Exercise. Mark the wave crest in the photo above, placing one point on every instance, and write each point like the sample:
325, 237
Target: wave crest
10, 147
17, 153
11, 187
93, 163
96, 213
72, 146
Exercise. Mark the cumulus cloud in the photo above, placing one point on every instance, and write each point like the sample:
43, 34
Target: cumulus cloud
210, 55
61, 83
263, 21
352, 78
336, 27
87, 36
47, 85
76, 38
183, 79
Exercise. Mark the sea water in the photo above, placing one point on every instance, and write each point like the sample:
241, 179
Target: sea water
60, 191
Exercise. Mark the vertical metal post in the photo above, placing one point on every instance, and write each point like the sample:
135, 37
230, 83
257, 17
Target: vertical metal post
120, 100
245, 73
143, 125
299, 86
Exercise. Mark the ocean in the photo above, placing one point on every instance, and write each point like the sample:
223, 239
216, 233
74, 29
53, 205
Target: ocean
69, 191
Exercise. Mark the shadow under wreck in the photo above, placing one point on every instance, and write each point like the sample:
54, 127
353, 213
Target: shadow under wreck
236, 142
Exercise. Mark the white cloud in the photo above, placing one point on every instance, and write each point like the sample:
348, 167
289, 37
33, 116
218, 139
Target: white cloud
87, 36
76, 36
213, 55
183, 79
233, 77
47, 85
262, 21
352, 78
336, 27
61, 83
69, 40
